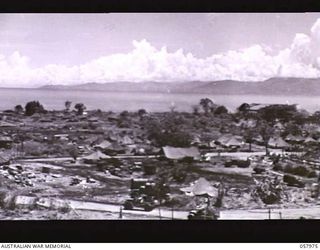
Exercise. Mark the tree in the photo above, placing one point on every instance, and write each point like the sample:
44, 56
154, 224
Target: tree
195, 109
18, 109
168, 131
142, 113
221, 110
315, 117
249, 136
172, 107
280, 112
124, 114
67, 104
80, 108
244, 108
74, 152
266, 133
206, 104
34, 107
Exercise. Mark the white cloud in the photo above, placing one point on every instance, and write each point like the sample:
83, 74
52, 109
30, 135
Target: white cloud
146, 63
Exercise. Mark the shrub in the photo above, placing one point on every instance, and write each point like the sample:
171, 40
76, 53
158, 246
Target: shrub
312, 174
292, 181
300, 170
278, 167
34, 107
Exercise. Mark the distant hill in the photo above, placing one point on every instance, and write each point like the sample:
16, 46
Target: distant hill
272, 86
120, 86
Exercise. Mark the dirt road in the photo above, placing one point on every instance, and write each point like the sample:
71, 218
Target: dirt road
245, 155
164, 213
263, 214
95, 206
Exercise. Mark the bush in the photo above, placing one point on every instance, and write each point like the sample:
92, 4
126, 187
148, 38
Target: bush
312, 174
65, 209
300, 170
278, 167
259, 170
34, 107
221, 110
292, 181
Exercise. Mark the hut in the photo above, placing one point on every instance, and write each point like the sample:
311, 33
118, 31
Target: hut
201, 187
103, 145
310, 140
94, 157
277, 143
175, 153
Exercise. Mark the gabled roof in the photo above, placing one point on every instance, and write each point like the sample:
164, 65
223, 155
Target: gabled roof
4, 158
229, 140
291, 137
7, 124
5, 138
277, 142
233, 142
224, 139
104, 144
96, 156
309, 139
201, 187
180, 153
126, 140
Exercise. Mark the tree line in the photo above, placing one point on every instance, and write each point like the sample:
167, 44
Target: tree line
35, 107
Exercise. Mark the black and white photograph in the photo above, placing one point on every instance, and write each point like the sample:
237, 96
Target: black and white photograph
159, 116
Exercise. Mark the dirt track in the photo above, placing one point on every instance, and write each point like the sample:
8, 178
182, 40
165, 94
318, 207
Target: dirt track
251, 214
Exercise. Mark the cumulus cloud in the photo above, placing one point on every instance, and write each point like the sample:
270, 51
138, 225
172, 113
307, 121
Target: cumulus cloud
146, 63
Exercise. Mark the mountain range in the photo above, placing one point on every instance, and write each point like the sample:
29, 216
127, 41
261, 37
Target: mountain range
272, 86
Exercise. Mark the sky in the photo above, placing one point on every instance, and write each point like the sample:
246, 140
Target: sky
41, 49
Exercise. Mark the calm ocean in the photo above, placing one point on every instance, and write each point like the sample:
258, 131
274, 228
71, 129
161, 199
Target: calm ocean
132, 101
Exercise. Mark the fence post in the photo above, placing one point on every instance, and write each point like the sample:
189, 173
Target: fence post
269, 212
172, 212
120, 213
159, 213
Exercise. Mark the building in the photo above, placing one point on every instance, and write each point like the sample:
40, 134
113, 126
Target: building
230, 141
175, 153
278, 143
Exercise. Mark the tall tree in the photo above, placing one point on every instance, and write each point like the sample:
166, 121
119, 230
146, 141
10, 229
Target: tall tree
244, 108
33, 107
207, 105
249, 135
80, 108
266, 132
67, 104
142, 113
18, 109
